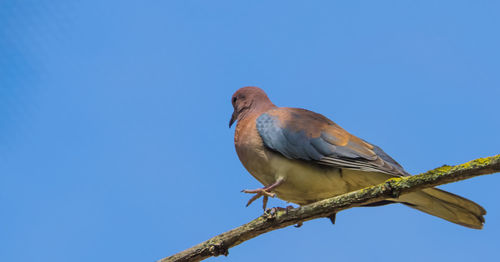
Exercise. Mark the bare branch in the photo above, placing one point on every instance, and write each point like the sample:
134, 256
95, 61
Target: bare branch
269, 221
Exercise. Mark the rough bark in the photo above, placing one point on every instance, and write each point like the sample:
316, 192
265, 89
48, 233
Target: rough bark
275, 219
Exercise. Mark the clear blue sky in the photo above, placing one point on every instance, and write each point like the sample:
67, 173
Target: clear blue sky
114, 143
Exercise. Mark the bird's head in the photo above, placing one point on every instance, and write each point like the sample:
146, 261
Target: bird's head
246, 100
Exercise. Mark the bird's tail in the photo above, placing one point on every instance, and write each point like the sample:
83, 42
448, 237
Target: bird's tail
447, 206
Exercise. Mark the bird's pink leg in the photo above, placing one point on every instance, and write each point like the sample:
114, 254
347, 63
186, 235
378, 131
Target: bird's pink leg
265, 191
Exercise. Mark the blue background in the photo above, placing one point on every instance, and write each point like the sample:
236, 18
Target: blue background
114, 143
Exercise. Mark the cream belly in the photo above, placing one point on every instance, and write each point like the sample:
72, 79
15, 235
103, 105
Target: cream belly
306, 183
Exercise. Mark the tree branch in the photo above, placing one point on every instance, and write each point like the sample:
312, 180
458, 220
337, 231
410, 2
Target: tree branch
392, 188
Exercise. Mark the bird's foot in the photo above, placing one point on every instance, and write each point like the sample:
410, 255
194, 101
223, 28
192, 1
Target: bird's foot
265, 191
274, 210
258, 193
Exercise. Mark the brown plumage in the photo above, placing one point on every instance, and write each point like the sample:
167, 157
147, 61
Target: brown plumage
303, 157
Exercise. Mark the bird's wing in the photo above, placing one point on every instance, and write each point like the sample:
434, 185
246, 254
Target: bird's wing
301, 134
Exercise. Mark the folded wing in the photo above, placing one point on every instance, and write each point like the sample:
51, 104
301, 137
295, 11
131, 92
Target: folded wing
301, 134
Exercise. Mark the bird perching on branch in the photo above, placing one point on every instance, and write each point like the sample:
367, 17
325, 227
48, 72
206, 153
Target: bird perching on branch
303, 157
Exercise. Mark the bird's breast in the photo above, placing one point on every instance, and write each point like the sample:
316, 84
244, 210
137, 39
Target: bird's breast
252, 153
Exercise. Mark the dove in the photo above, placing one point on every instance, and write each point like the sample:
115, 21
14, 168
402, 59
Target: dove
302, 157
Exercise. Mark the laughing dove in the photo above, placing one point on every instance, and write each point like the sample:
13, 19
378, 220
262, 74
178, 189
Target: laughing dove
303, 157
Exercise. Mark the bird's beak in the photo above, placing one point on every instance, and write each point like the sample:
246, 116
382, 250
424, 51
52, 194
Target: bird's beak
233, 118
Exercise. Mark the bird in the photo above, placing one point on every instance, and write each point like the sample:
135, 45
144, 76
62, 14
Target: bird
303, 157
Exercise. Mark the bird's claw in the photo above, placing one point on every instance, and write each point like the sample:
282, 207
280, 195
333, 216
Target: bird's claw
258, 193
265, 191
274, 210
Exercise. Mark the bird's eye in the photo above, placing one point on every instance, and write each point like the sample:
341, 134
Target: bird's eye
234, 100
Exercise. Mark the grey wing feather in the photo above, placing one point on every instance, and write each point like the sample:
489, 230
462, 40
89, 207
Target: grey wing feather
293, 145
322, 150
